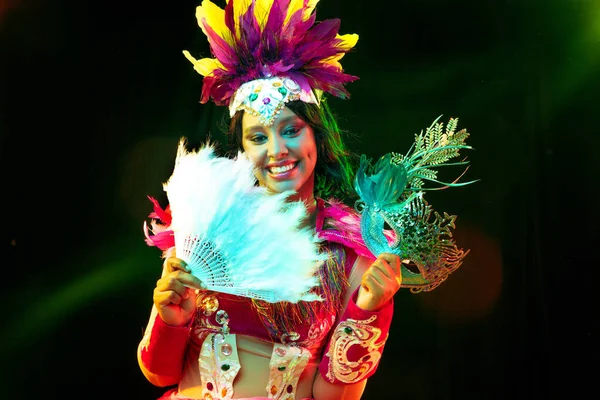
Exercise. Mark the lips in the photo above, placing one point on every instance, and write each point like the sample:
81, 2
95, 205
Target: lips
281, 170
279, 167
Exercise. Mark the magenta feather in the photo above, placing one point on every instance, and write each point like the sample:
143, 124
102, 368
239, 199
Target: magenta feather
346, 220
301, 79
164, 240
159, 234
328, 79
221, 49
317, 38
249, 36
207, 88
273, 26
275, 69
229, 20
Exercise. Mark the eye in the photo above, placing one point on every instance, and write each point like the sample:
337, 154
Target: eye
291, 131
258, 138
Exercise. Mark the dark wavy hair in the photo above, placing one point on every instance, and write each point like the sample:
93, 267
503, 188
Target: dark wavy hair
336, 163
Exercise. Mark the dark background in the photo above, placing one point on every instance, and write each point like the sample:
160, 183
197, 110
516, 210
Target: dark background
95, 96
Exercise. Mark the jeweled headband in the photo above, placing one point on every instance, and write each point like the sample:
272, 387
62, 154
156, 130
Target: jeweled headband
269, 52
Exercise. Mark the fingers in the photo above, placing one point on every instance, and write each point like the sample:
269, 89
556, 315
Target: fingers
392, 260
166, 298
179, 267
371, 283
189, 280
169, 290
176, 264
176, 287
380, 282
383, 278
386, 267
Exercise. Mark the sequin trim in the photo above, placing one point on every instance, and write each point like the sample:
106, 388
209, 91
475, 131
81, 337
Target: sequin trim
219, 365
286, 365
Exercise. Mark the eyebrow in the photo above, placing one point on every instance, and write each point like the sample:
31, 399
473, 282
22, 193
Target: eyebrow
286, 120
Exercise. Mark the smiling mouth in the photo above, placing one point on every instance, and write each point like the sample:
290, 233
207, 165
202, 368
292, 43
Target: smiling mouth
283, 169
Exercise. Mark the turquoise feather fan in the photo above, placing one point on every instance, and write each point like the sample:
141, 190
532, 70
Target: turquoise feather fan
237, 237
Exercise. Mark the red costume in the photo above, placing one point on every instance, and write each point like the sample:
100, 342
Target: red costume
347, 343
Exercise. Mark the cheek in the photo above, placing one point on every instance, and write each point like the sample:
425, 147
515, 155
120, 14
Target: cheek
309, 147
253, 154
312, 155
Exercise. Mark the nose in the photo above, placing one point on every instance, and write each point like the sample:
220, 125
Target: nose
277, 147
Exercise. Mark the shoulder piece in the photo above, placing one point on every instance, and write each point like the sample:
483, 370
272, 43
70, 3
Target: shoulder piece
340, 223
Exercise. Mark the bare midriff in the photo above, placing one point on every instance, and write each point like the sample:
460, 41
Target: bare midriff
254, 355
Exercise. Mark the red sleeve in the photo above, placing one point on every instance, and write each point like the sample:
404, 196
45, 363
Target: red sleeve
163, 350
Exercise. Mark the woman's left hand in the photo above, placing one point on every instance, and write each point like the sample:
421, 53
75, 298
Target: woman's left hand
380, 282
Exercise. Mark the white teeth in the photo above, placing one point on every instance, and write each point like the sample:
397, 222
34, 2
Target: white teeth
280, 170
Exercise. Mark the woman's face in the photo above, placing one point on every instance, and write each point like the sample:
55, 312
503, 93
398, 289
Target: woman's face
285, 153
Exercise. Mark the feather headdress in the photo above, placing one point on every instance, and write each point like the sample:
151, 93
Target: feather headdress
236, 237
269, 52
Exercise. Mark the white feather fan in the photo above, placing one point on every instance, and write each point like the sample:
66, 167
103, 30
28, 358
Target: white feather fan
236, 237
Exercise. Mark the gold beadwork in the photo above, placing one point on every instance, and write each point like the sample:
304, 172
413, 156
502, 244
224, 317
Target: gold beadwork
362, 334
208, 304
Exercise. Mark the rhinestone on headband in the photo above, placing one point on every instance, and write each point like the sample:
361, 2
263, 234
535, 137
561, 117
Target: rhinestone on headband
264, 98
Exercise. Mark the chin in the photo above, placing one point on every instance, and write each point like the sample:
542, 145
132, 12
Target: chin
279, 187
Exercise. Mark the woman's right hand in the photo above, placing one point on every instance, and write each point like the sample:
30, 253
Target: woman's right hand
175, 293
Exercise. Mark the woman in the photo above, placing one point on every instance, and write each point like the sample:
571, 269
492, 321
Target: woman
221, 346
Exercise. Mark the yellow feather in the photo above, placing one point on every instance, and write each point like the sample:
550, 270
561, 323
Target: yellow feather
293, 6
261, 11
333, 61
212, 15
205, 66
348, 41
309, 9
239, 8
296, 5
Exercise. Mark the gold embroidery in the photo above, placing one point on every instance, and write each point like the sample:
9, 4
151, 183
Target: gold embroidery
317, 334
347, 334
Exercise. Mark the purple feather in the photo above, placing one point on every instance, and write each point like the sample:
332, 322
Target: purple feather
317, 38
301, 80
329, 49
329, 79
273, 26
277, 69
296, 28
229, 21
293, 34
323, 31
250, 33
